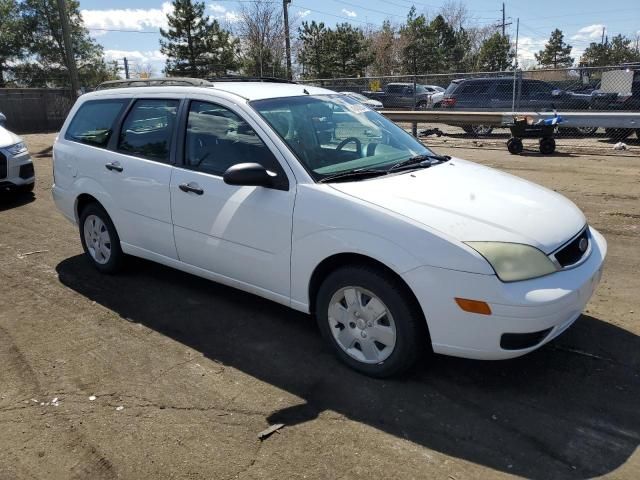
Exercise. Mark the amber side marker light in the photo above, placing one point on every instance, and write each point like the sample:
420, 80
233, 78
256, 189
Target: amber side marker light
473, 306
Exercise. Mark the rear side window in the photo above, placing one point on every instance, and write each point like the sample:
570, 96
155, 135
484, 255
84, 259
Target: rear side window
473, 88
148, 128
451, 88
94, 121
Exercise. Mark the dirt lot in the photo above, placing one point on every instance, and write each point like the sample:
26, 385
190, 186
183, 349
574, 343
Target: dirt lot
201, 369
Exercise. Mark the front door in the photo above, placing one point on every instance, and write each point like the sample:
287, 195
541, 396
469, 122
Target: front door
241, 233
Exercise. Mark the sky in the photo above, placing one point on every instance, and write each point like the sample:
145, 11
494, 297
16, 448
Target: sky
131, 28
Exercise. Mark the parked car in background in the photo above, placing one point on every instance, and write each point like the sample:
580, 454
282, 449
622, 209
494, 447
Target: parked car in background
402, 95
369, 102
485, 94
16, 166
3, 120
302, 196
618, 90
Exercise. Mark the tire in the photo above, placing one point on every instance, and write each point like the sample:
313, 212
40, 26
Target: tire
478, 130
382, 347
586, 131
514, 145
28, 188
100, 237
638, 133
422, 105
547, 146
618, 133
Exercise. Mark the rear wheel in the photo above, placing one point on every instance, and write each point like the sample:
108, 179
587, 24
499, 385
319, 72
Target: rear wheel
422, 105
586, 131
618, 133
369, 321
478, 130
100, 239
547, 146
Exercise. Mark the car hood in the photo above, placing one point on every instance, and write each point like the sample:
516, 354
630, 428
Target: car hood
470, 202
8, 138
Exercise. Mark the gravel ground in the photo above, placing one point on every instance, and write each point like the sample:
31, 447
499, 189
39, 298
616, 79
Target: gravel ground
200, 369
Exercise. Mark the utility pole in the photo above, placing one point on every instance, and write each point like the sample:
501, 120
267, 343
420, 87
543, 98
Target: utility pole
515, 68
126, 68
68, 47
602, 41
503, 30
287, 40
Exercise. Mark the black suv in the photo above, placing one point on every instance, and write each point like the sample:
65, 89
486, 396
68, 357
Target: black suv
622, 100
482, 94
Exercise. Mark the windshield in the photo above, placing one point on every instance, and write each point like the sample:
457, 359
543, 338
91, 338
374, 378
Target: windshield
333, 134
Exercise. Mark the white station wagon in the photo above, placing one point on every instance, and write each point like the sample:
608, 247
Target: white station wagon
309, 198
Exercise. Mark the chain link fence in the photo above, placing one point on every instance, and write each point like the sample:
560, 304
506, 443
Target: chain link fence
615, 88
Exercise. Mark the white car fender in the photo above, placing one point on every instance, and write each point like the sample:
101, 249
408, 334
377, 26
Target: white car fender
310, 251
86, 185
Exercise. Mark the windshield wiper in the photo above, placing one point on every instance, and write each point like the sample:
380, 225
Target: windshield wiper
358, 173
423, 161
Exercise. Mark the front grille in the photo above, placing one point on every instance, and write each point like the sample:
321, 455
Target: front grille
26, 171
573, 251
3, 165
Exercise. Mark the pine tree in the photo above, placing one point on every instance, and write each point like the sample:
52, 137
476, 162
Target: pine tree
619, 50
12, 36
556, 52
349, 51
194, 45
495, 53
315, 52
46, 62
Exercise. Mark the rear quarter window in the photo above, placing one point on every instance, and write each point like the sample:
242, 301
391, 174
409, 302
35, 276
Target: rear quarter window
94, 121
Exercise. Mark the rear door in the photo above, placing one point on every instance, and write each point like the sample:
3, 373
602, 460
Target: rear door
240, 233
137, 174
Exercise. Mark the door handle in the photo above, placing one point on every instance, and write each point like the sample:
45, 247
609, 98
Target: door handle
191, 187
114, 166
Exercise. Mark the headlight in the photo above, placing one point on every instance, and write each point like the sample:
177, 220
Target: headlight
17, 149
514, 261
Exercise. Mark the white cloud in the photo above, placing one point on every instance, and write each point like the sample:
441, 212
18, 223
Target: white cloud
349, 13
590, 32
221, 13
215, 8
303, 13
126, 19
137, 56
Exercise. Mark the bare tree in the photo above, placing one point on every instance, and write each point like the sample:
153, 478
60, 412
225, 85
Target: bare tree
143, 70
261, 33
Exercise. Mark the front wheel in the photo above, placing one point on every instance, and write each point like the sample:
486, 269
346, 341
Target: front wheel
370, 321
422, 105
100, 239
514, 145
478, 130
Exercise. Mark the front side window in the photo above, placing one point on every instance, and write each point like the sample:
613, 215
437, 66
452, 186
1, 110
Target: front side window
217, 138
332, 134
147, 130
94, 121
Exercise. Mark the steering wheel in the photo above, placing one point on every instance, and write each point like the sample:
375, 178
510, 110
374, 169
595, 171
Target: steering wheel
348, 140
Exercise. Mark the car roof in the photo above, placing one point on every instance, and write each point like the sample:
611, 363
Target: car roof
247, 90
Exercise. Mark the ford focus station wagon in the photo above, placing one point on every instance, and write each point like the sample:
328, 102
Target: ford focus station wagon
310, 199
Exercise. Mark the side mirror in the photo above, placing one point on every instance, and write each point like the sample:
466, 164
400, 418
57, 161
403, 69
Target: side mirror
249, 174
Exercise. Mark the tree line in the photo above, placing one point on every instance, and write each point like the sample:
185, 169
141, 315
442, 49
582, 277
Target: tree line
32, 50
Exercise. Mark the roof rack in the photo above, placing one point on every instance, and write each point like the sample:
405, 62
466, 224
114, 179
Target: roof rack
242, 78
156, 82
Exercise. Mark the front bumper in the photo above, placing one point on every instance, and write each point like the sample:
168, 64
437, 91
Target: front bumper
546, 305
16, 172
